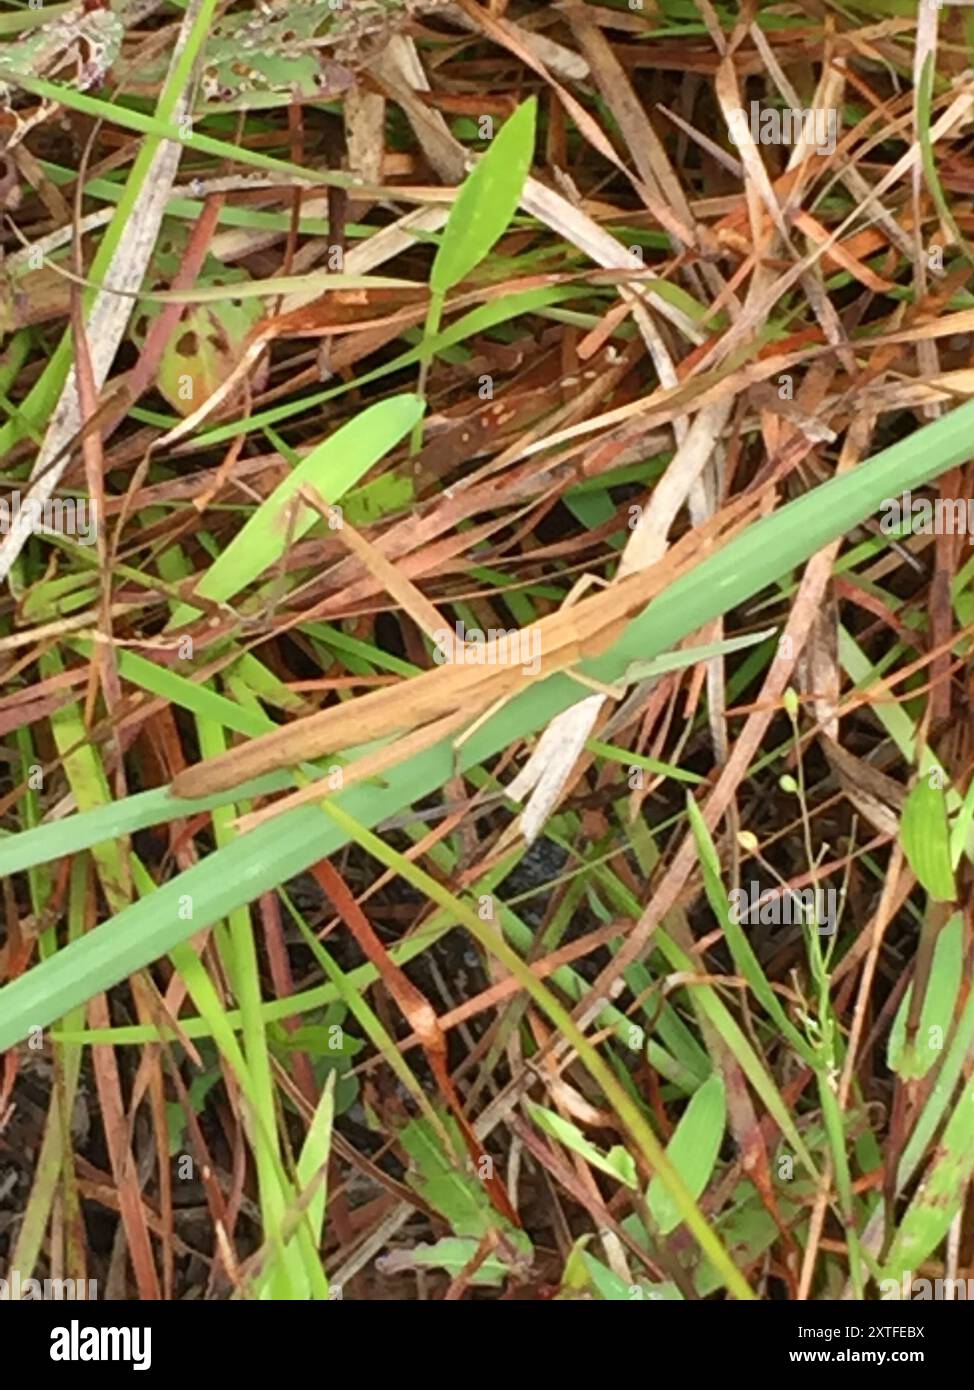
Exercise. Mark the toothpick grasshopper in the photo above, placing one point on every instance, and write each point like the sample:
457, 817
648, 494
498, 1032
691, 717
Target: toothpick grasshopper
426, 707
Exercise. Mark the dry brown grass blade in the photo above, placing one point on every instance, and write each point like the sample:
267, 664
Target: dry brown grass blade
124, 1167
105, 326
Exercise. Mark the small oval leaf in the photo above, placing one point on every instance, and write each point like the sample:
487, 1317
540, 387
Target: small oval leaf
926, 837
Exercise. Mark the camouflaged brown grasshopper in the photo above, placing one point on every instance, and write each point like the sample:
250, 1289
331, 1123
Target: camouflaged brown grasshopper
424, 708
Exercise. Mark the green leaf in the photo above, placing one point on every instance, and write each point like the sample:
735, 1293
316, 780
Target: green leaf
745, 960
454, 1253
607, 1284
924, 120
336, 465
618, 1162
926, 837
692, 1150
187, 694
197, 1090
459, 1197
689, 656
937, 1012
487, 200
211, 337
612, 1289
939, 1197
313, 1160
748, 1229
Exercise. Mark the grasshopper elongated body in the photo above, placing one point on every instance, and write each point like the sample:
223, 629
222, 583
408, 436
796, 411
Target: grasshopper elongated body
563, 639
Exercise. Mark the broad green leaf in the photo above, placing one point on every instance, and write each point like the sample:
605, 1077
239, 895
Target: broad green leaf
584, 1273
487, 200
926, 837
454, 1253
606, 1282
692, 1150
612, 1289
937, 1012
336, 465
748, 1230
212, 333
460, 1197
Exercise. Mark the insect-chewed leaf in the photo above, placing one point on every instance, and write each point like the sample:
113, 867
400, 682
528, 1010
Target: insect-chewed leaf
206, 346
